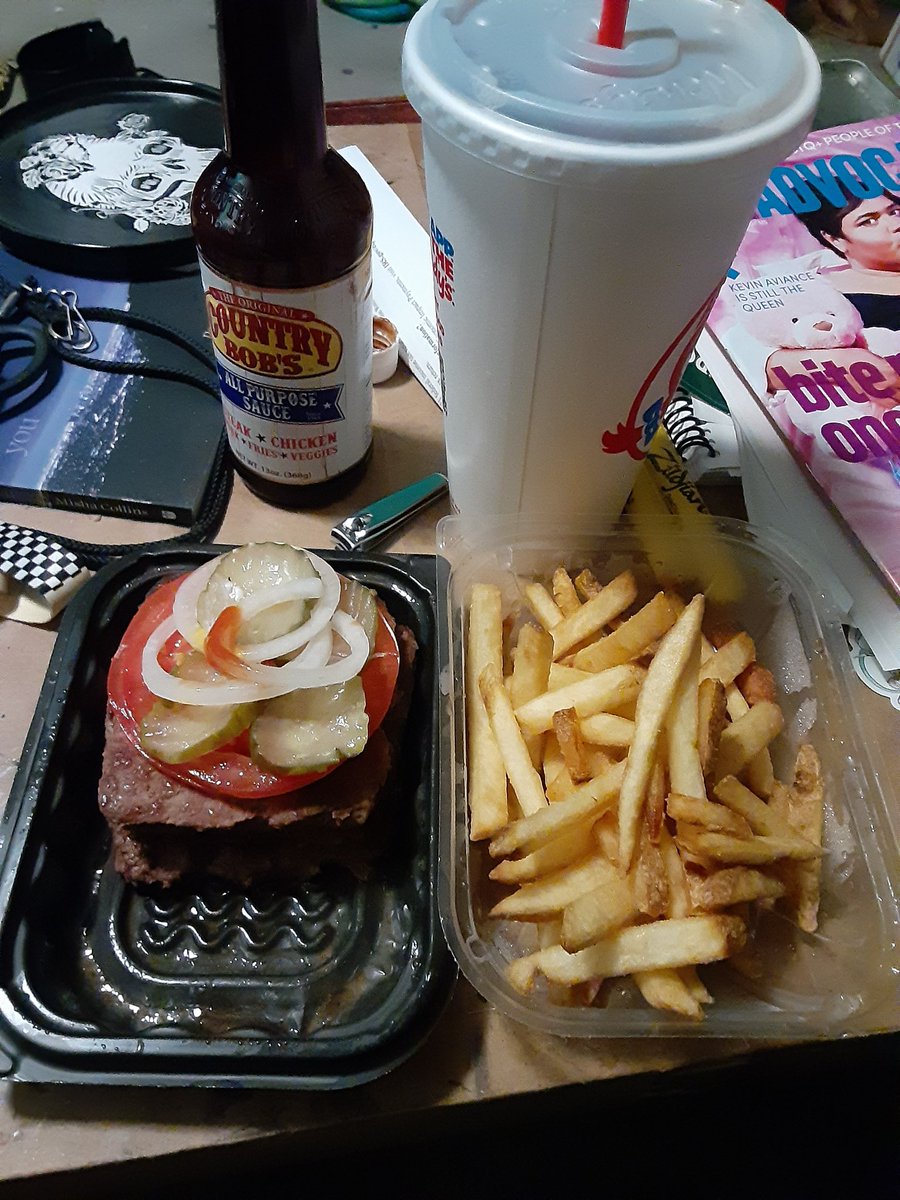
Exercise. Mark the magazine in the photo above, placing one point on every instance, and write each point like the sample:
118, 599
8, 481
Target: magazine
810, 317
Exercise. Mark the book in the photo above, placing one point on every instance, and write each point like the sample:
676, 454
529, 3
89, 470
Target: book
809, 318
103, 443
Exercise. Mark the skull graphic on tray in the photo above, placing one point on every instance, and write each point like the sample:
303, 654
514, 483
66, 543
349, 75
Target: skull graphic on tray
146, 175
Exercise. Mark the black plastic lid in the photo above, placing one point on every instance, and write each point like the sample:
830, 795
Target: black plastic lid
96, 179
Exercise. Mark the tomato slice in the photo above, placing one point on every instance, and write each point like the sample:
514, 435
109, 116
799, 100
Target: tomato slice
228, 771
220, 642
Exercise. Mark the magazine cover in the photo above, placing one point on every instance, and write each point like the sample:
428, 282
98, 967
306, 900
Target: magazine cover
810, 316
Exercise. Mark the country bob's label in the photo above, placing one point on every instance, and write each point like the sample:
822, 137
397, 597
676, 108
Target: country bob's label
272, 339
295, 373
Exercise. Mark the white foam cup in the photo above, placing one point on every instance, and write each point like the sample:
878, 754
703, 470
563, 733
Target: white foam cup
585, 204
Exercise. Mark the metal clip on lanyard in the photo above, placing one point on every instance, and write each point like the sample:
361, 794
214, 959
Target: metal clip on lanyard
57, 312
370, 525
59, 321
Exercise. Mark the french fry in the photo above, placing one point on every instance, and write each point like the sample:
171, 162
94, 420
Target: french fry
562, 675
607, 729
520, 972
691, 855
651, 887
542, 605
717, 817
743, 739
806, 816
587, 585
717, 633
552, 761
542, 898
571, 845
666, 989
589, 696
598, 760
760, 774
594, 614
733, 885
548, 933
564, 594
520, 771
751, 852
599, 912
593, 798
779, 800
653, 701
558, 783
759, 815
694, 985
679, 897
682, 728
532, 657
757, 683
606, 835
486, 775
565, 726
656, 864
560, 786
656, 946
632, 637
712, 716
655, 810
730, 659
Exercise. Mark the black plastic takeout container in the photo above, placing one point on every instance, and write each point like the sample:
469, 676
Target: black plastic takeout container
327, 986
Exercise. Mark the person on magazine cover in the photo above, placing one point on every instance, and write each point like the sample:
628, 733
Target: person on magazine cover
823, 352
866, 234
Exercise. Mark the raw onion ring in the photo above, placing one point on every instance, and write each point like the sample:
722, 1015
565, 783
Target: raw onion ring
338, 671
287, 643
289, 678
184, 606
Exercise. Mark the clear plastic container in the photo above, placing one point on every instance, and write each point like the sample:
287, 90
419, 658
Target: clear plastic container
813, 985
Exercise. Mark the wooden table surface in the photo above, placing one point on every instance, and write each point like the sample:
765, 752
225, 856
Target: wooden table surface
474, 1054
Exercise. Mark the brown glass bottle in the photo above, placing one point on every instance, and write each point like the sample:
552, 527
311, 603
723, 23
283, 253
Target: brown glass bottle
283, 227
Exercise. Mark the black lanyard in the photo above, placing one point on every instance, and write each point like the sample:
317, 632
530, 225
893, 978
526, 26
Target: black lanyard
64, 329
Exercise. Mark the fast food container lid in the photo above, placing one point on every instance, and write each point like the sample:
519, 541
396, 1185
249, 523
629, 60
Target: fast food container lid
323, 986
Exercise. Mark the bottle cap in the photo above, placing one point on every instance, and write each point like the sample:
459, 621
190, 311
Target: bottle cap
385, 349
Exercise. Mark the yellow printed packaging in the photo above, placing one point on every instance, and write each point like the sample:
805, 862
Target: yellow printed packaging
662, 489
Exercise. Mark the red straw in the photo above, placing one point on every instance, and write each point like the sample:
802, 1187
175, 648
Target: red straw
613, 16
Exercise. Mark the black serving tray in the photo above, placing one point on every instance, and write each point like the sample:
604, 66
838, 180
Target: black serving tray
327, 986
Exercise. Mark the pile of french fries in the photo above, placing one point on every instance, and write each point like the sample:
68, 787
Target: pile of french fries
619, 768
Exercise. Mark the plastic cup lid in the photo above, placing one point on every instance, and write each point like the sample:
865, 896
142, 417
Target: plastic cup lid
690, 72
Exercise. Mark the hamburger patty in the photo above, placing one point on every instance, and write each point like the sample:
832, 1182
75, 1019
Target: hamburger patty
163, 830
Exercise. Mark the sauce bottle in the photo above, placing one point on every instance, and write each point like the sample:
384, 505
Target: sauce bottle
283, 229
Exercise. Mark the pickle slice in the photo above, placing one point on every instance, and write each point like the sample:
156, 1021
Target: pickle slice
311, 729
248, 570
178, 733
361, 604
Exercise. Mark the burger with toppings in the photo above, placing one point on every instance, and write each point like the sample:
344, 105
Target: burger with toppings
254, 710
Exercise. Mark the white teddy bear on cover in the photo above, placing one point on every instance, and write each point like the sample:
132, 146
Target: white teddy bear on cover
818, 318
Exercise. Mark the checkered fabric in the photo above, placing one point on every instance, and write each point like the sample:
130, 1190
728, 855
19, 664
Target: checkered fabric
34, 560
